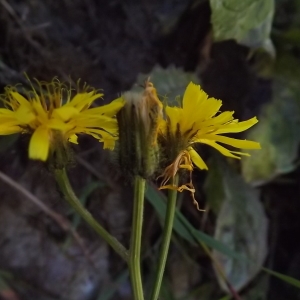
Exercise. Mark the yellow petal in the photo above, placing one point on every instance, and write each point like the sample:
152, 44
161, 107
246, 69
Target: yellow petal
39, 144
7, 117
40, 112
202, 113
237, 126
83, 100
96, 126
11, 129
20, 99
209, 108
100, 121
108, 140
79, 98
6, 112
214, 122
240, 153
65, 113
58, 124
99, 132
9, 124
108, 144
73, 139
220, 148
193, 96
242, 144
197, 160
25, 115
174, 115
110, 109
197, 107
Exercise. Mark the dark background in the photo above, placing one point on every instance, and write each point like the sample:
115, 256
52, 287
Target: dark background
108, 44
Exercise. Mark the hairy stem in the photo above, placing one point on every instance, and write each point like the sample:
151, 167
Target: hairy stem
167, 234
66, 188
136, 236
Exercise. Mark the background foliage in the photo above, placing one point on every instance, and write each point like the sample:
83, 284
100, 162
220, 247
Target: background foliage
243, 52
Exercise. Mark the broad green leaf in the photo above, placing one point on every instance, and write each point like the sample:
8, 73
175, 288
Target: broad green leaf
278, 133
184, 229
170, 82
213, 189
248, 22
242, 226
258, 290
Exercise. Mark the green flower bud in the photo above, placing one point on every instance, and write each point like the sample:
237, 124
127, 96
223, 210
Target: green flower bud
138, 129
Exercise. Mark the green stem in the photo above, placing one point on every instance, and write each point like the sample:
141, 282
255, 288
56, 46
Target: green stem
66, 188
167, 234
136, 236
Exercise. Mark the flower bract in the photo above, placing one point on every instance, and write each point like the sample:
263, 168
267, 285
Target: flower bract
139, 121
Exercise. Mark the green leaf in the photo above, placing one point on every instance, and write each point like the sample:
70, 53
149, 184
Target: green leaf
213, 189
248, 22
285, 278
158, 200
259, 289
241, 225
278, 133
170, 82
184, 229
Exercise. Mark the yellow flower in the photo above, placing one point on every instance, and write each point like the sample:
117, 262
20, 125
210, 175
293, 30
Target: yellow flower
198, 120
50, 113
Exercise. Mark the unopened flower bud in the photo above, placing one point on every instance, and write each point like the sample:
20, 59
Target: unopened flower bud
138, 129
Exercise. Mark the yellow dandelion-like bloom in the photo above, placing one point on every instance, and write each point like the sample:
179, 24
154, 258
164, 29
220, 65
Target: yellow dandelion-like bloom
198, 120
51, 111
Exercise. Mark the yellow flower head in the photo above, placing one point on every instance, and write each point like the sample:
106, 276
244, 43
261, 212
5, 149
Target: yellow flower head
50, 111
198, 120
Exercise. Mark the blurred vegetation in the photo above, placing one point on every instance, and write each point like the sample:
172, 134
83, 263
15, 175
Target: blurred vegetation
246, 53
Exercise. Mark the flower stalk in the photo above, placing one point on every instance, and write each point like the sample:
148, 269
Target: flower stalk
66, 188
136, 238
167, 234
